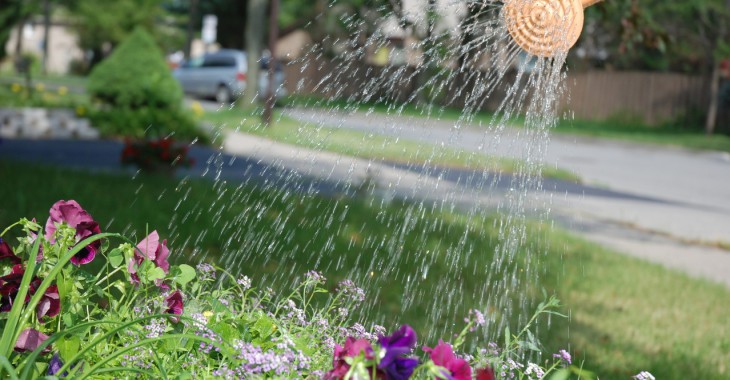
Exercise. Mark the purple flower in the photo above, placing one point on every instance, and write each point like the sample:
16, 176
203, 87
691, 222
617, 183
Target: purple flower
353, 347
396, 345
6, 253
151, 248
29, 340
564, 356
54, 366
71, 213
442, 355
9, 286
50, 303
175, 304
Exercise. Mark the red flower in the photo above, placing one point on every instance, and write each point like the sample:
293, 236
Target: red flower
352, 348
9, 286
485, 374
442, 355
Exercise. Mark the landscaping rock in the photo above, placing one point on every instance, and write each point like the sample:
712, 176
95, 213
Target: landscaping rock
42, 123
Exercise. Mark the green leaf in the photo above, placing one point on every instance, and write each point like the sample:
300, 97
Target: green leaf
116, 257
68, 346
264, 326
561, 374
184, 273
155, 273
506, 338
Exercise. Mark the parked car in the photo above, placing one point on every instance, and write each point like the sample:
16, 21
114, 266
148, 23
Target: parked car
222, 75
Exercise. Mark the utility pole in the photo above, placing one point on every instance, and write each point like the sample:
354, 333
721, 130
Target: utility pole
273, 37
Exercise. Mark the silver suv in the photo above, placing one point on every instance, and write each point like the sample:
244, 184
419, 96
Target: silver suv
222, 75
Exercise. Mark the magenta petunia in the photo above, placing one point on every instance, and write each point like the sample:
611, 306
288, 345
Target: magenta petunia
6, 253
442, 355
71, 213
353, 347
175, 303
29, 340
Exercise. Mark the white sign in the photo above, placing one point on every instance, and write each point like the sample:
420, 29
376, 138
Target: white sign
210, 26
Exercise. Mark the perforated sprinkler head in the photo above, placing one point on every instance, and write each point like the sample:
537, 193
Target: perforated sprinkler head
545, 27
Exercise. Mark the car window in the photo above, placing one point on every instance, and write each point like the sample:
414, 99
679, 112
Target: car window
219, 61
193, 62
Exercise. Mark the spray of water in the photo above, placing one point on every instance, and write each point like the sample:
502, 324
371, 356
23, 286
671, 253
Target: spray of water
448, 54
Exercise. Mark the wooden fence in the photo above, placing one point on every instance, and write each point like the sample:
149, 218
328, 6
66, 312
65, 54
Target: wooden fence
594, 95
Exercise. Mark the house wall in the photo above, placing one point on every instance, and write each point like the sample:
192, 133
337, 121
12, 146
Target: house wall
63, 45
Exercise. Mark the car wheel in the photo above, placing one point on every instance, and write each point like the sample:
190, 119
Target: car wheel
223, 95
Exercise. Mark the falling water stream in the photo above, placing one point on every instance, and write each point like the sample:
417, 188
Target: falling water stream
472, 65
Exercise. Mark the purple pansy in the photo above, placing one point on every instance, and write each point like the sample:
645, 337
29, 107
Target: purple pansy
150, 248
396, 345
442, 355
76, 217
174, 304
49, 305
9, 286
54, 366
30, 339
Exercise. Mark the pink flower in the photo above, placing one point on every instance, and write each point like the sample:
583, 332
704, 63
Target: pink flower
29, 340
175, 304
352, 348
71, 213
150, 248
442, 355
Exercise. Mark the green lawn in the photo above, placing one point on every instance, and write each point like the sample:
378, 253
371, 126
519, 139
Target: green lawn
691, 137
625, 315
370, 146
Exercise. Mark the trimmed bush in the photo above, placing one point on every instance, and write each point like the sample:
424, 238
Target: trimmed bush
139, 95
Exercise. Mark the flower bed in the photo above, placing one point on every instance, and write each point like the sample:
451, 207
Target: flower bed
90, 309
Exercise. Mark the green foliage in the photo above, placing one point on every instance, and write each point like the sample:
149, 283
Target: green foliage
138, 92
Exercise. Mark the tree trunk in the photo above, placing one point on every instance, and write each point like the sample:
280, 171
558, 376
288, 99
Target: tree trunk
192, 18
711, 120
46, 35
255, 31
273, 39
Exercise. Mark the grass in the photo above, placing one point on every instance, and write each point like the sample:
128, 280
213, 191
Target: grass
636, 132
626, 315
691, 137
371, 146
